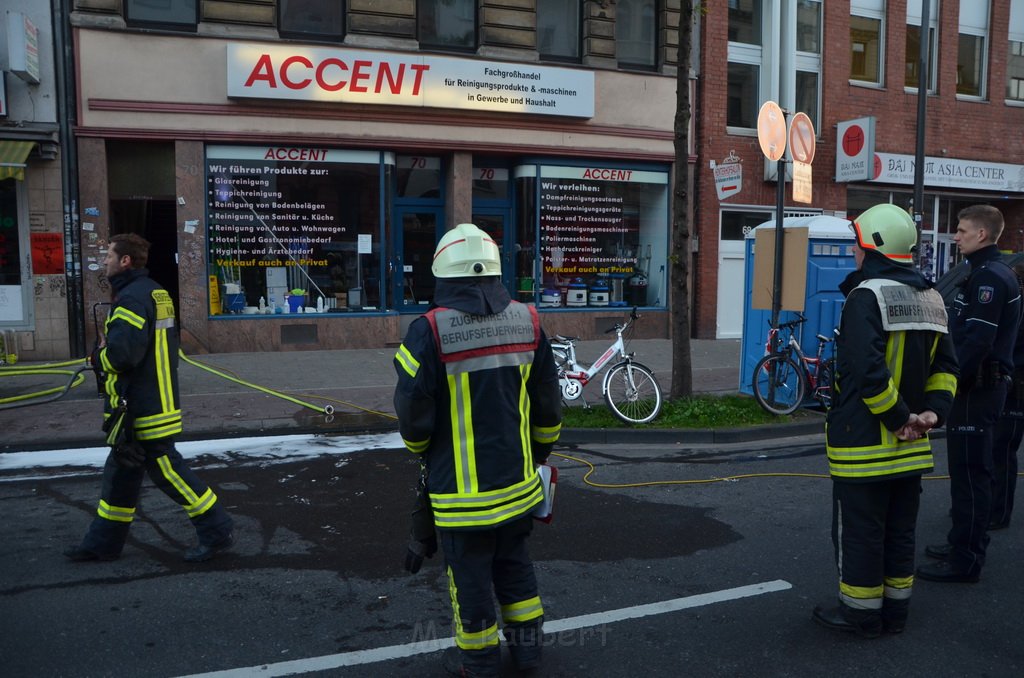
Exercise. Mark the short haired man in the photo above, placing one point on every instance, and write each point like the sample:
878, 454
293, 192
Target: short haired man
478, 398
986, 317
895, 378
139, 355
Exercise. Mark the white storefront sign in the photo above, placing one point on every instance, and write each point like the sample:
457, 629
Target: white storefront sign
728, 179
894, 168
364, 77
855, 148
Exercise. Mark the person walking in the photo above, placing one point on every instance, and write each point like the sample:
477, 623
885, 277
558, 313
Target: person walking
478, 399
895, 379
1009, 432
986, 317
142, 413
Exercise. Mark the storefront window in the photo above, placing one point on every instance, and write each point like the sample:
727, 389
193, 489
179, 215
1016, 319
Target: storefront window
12, 288
293, 228
419, 176
593, 236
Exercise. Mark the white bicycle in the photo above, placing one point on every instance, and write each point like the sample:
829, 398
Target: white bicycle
629, 388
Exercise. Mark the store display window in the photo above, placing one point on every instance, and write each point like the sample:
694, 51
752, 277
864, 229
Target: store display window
592, 236
294, 230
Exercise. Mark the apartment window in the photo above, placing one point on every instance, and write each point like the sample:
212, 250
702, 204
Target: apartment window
636, 30
558, 29
743, 97
447, 24
807, 96
743, 89
808, 58
1015, 59
745, 21
173, 14
311, 18
808, 26
867, 32
972, 48
912, 52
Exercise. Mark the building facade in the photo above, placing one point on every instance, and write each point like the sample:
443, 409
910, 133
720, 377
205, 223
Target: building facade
294, 162
853, 68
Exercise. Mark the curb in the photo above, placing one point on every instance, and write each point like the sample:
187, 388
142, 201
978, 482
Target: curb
707, 436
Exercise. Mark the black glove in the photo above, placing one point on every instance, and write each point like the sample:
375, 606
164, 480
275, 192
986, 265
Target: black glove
128, 454
417, 551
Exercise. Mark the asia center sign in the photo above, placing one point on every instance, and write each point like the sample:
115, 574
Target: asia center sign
325, 74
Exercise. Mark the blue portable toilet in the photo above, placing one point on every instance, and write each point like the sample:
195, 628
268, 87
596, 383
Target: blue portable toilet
830, 244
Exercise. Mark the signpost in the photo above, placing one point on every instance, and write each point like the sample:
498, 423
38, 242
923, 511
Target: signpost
771, 135
802, 146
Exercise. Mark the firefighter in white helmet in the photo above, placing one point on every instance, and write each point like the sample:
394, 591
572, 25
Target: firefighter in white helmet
477, 398
895, 379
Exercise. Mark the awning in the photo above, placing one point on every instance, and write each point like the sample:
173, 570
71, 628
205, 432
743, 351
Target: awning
12, 158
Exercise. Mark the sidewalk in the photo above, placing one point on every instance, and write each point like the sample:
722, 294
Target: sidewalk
359, 384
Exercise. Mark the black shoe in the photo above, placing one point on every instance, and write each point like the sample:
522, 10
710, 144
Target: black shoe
998, 526
893, 626
894, 614
944, 572
204, 552
834, 618
80, 554
939, 551
453, 665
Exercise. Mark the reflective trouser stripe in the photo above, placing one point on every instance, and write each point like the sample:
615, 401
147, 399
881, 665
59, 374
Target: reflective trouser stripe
202, 505
178, 483
523, 611
163, 371
899, 588
119, 514
469, 640
861, 597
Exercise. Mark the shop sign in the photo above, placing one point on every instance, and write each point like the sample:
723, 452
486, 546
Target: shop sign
895, 168
23, 47
728, 176
47, 253
855, 148
364, 77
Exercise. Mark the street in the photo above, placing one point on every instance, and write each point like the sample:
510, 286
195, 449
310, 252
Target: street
697, 579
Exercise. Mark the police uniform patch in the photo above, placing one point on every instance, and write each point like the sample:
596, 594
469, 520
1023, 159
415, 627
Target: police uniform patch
985, 293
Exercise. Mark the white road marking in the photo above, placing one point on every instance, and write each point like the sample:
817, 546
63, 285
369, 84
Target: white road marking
334, 661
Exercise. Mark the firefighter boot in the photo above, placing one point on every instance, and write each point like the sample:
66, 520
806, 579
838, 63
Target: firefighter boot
525, 642
894, 614
865, 623
473, 663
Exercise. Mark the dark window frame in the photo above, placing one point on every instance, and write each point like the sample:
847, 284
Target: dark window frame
579, 41
310, 35
445, 47
634, 66
133, 22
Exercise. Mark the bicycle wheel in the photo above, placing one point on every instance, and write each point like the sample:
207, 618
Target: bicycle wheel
778, 384
632, 393
826, 377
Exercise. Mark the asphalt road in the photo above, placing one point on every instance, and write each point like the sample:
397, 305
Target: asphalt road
671, 578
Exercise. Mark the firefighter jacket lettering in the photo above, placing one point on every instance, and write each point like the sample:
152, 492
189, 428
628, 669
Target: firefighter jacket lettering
894, 357
141, 355
477, 397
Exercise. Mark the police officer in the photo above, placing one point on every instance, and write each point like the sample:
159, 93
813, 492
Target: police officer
1008, 435
986, 315
895, 378
142, 410
477, 397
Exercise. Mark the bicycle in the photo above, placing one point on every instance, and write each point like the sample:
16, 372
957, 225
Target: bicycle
780, 381
629, 388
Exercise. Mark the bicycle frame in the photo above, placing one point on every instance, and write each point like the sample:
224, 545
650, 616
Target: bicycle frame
573, 375
804, 362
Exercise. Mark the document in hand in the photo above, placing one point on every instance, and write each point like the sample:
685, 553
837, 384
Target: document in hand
544, 511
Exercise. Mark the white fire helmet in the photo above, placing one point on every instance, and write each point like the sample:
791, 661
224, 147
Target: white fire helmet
888, 230
466, 252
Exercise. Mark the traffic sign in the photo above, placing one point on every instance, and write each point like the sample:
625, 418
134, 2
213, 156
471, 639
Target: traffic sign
771, 130
801, 138
802, 182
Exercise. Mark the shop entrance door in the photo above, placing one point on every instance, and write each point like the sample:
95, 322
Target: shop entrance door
412, 282
494, 222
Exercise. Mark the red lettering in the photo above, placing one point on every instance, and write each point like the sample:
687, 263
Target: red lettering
419, 69
395, 85
607, 174
263, 70
359, 73
320, 74
288, 82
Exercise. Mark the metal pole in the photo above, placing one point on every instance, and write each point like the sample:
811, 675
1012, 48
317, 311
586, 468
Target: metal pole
922, 100
780, 200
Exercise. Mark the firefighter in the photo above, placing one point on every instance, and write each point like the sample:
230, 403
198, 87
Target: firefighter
139, 355
895, 379
986, 316
477, 399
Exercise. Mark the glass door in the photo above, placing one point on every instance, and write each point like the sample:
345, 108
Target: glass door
494, 222
412, 282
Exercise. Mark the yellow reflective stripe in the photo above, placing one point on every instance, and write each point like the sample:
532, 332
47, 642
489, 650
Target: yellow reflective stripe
487, 516
160, 425
163, 370
160, 432
941, 381
119, 514
133, 319
546, 434
407, 361
463, 444
476, 640
898, 588
524, 421
416, 447
883, 401
861, 597
201, 505
177, 481
472, 499
524, 610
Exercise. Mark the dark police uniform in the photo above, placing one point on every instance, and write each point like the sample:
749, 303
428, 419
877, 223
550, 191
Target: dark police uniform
894, 357
986, 316
1006, 441
140, 359
478, 397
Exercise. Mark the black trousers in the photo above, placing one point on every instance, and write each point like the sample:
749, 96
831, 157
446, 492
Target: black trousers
172, 475
482, 561
873, 527
1005, 443
970, 430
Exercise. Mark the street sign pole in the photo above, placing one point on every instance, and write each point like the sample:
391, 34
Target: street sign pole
780, 201
922, 99
771, 135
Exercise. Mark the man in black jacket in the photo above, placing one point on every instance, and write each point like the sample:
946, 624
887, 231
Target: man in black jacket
139, 356
986, 316
478, 398
895, 379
